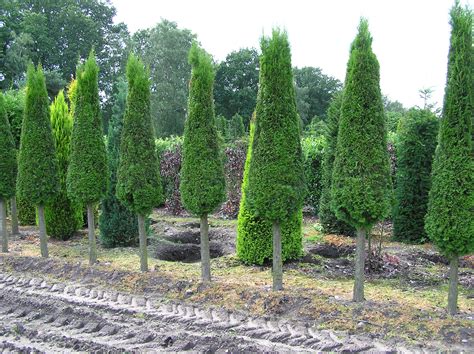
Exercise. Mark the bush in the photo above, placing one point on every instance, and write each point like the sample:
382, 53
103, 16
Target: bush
26, 211
313, 149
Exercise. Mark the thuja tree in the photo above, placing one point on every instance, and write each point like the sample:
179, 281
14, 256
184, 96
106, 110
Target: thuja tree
361, 185
138, 180
450, 221
8, 169
86, 179
63, 216
202, 173
37, 167
254, 233
416, 145
118, 225
276, 186
330, 223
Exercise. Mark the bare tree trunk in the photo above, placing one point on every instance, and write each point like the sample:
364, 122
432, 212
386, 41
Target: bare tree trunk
453, 286
205, 252
3, 224
358, 294
91, 232
277, 269
15, 228
42, 231
143, 244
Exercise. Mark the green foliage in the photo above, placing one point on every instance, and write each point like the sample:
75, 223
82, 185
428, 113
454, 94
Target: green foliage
37, 166
15, 106
164, 49
392, 121
63, 216
254, 234
8, 166
313, 148
236, 84
238, 129
449, 221
202, 173
118, 225
361, 185
329, 222
138, 179
416, 146
26, 211
87, 172
276, 188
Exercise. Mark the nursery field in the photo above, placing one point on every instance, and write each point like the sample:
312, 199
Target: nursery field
61, 303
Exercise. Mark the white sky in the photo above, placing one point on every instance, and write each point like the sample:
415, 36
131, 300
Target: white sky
410, 37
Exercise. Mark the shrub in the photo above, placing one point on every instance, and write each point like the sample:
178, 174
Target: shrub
313, 149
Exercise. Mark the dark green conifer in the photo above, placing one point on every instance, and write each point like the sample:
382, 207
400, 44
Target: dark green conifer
8, 169
37, 166
276, 186
450, 221
416, 145
202, 172
87, 171
139, 186
118, 225
361, 185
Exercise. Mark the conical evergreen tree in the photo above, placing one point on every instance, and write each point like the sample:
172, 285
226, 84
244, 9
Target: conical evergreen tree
450, 219
138, 179
118, 225
63, 216
37, 166
276, 185
415, 150
330, 223
254, 234
8, 169
202, 172
361, 185
87, 171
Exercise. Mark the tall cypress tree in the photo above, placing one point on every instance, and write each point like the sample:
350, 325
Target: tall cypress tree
450, 221
37, 167
415, 149
87, 171
118, 225
138, 179
63, 216
330, 223
276, 177
8, 169
202, 172
361, 185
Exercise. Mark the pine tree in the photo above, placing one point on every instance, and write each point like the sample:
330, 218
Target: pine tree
202, 172
63, 216
138, 180
118, 225
449, 221
415, 149
276, 186
254, 234
37, 167
87, 171
330, 223
361, 185
8, 169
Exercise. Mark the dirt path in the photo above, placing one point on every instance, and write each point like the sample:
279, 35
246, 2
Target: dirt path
36, 315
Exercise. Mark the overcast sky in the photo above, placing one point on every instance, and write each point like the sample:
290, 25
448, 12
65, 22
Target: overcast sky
410, 37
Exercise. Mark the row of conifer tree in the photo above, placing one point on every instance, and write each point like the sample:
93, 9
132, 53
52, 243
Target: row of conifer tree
358, 190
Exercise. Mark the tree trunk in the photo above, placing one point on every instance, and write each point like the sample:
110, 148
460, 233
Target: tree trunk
205, 253
453, 286
42, 230
277, 269
91, 231
3, 224
358, 294
143, 244
15, 229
